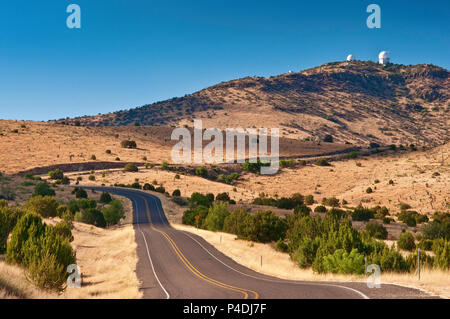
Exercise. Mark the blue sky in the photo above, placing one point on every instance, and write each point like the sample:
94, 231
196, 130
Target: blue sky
131, 53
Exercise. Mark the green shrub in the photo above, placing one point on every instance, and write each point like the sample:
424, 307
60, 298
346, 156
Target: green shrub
406, 241
43, 189
45, 206
362, 214
28, 228
189, 216
160, 189
165, 166
320, 209
56, 174
105, 198
264, 227
281, 246
302, 210
343, 262
47, 259
64, 229
130, 167
234, 223
306, 252
352, 155
4, 230
113, 212
128, 144
441, 249
425, 244
216, 216
436, 229
254, 167
201, 171
197, 199
91, 216
91, 177
369, 190
176, 193
148, 187
79, 193
322, 162
223, 197
328, 138
287, 163
376, 230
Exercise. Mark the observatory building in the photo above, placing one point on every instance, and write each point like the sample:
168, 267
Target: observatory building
383, 57
350, 58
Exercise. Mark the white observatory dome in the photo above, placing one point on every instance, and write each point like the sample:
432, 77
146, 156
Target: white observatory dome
383, 57
350, 57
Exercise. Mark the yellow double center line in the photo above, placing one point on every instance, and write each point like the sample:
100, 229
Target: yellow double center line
194, 270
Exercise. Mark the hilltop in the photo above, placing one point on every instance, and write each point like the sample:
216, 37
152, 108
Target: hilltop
357, 103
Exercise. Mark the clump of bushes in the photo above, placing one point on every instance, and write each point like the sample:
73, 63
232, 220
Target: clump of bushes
331, 201
377, 230
56, 174
283, 202
229, 179
361, 213
43, 189
287, 163
113, 212
201, 171
412, 218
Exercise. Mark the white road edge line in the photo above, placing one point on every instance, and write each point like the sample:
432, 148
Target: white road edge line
148, 253
264, 279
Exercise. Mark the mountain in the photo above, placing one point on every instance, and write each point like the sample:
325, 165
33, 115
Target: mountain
357, 102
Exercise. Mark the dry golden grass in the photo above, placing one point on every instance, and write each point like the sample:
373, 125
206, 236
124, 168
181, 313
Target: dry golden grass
13, 284
107, 258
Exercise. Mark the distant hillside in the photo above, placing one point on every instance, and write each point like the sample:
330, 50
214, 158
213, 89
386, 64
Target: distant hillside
359, 103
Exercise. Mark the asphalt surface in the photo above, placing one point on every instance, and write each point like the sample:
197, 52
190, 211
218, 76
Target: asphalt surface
179, 264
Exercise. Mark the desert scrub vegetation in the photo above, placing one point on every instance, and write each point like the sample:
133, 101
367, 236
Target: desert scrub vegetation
228, 179
283, 202
43, 250
328, 244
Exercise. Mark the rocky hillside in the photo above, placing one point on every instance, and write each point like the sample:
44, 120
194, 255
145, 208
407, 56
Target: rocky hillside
357, 103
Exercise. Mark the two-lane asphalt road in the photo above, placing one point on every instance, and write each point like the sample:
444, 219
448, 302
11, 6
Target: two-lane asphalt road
178, 264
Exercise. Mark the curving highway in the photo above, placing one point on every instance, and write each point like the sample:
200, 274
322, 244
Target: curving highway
179, 264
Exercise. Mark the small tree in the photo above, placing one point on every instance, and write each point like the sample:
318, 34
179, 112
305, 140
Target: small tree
105, 198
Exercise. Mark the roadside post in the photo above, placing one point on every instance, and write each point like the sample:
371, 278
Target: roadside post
418, 261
